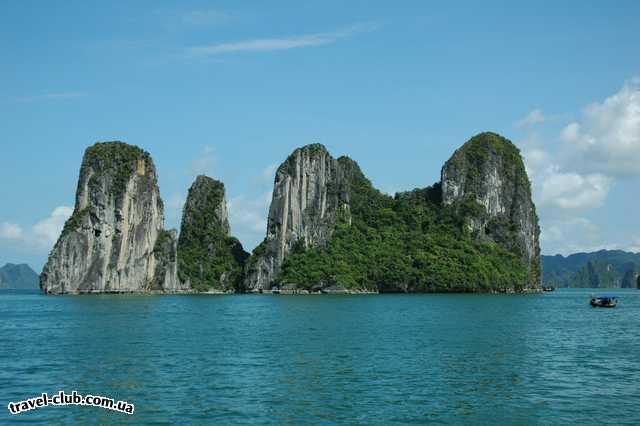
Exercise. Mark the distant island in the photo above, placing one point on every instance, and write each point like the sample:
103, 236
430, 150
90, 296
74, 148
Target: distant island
600, 269
18, 277
329, 230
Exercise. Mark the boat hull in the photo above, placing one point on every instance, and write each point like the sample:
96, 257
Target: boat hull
603, 304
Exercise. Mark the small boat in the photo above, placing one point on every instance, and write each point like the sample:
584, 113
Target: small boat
604, 301
549, 288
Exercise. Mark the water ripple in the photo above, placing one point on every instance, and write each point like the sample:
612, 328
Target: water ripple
388, 359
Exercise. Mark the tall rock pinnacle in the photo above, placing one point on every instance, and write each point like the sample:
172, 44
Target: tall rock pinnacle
309, 188
110, 243
209, 258
486, 181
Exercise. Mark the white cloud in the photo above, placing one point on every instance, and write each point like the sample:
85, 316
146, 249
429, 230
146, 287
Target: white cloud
570, 132
46, 232
607, 138
534, 117
270, 44
574, 191
536, 161
11, 231
41, 235
573, 171
633, 246
556, 185
570, 235
602, 145
249, 215
578, 234
248, 212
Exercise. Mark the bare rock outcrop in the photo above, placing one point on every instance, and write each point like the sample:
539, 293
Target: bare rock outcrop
310, 188
111, 242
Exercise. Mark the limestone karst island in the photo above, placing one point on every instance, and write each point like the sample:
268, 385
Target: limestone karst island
328, 231
320, 212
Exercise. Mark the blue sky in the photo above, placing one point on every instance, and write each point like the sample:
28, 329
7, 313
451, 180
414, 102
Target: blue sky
231, 88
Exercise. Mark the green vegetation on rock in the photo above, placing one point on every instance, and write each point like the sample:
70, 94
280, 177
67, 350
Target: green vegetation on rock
474, 154
410, 242
486, 182
117, 161
111, 164
256, 254
162, 249
208, 257
288, 166
74, 221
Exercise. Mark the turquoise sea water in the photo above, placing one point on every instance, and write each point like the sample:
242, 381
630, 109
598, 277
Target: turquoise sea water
369, 359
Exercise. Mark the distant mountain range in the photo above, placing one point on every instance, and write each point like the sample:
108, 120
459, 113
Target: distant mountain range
601, 269
18, 277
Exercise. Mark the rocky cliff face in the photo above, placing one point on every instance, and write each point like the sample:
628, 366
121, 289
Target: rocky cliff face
165, 277
310, 188
329, 228
110, 243
209, 258
486, 181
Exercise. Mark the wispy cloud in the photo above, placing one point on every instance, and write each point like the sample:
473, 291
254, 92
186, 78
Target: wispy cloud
268, 173
175, 204
46, 232
53, 96
248, 212
534, 117
537, 117
41, 235
249, 215
271, 44
10, 231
